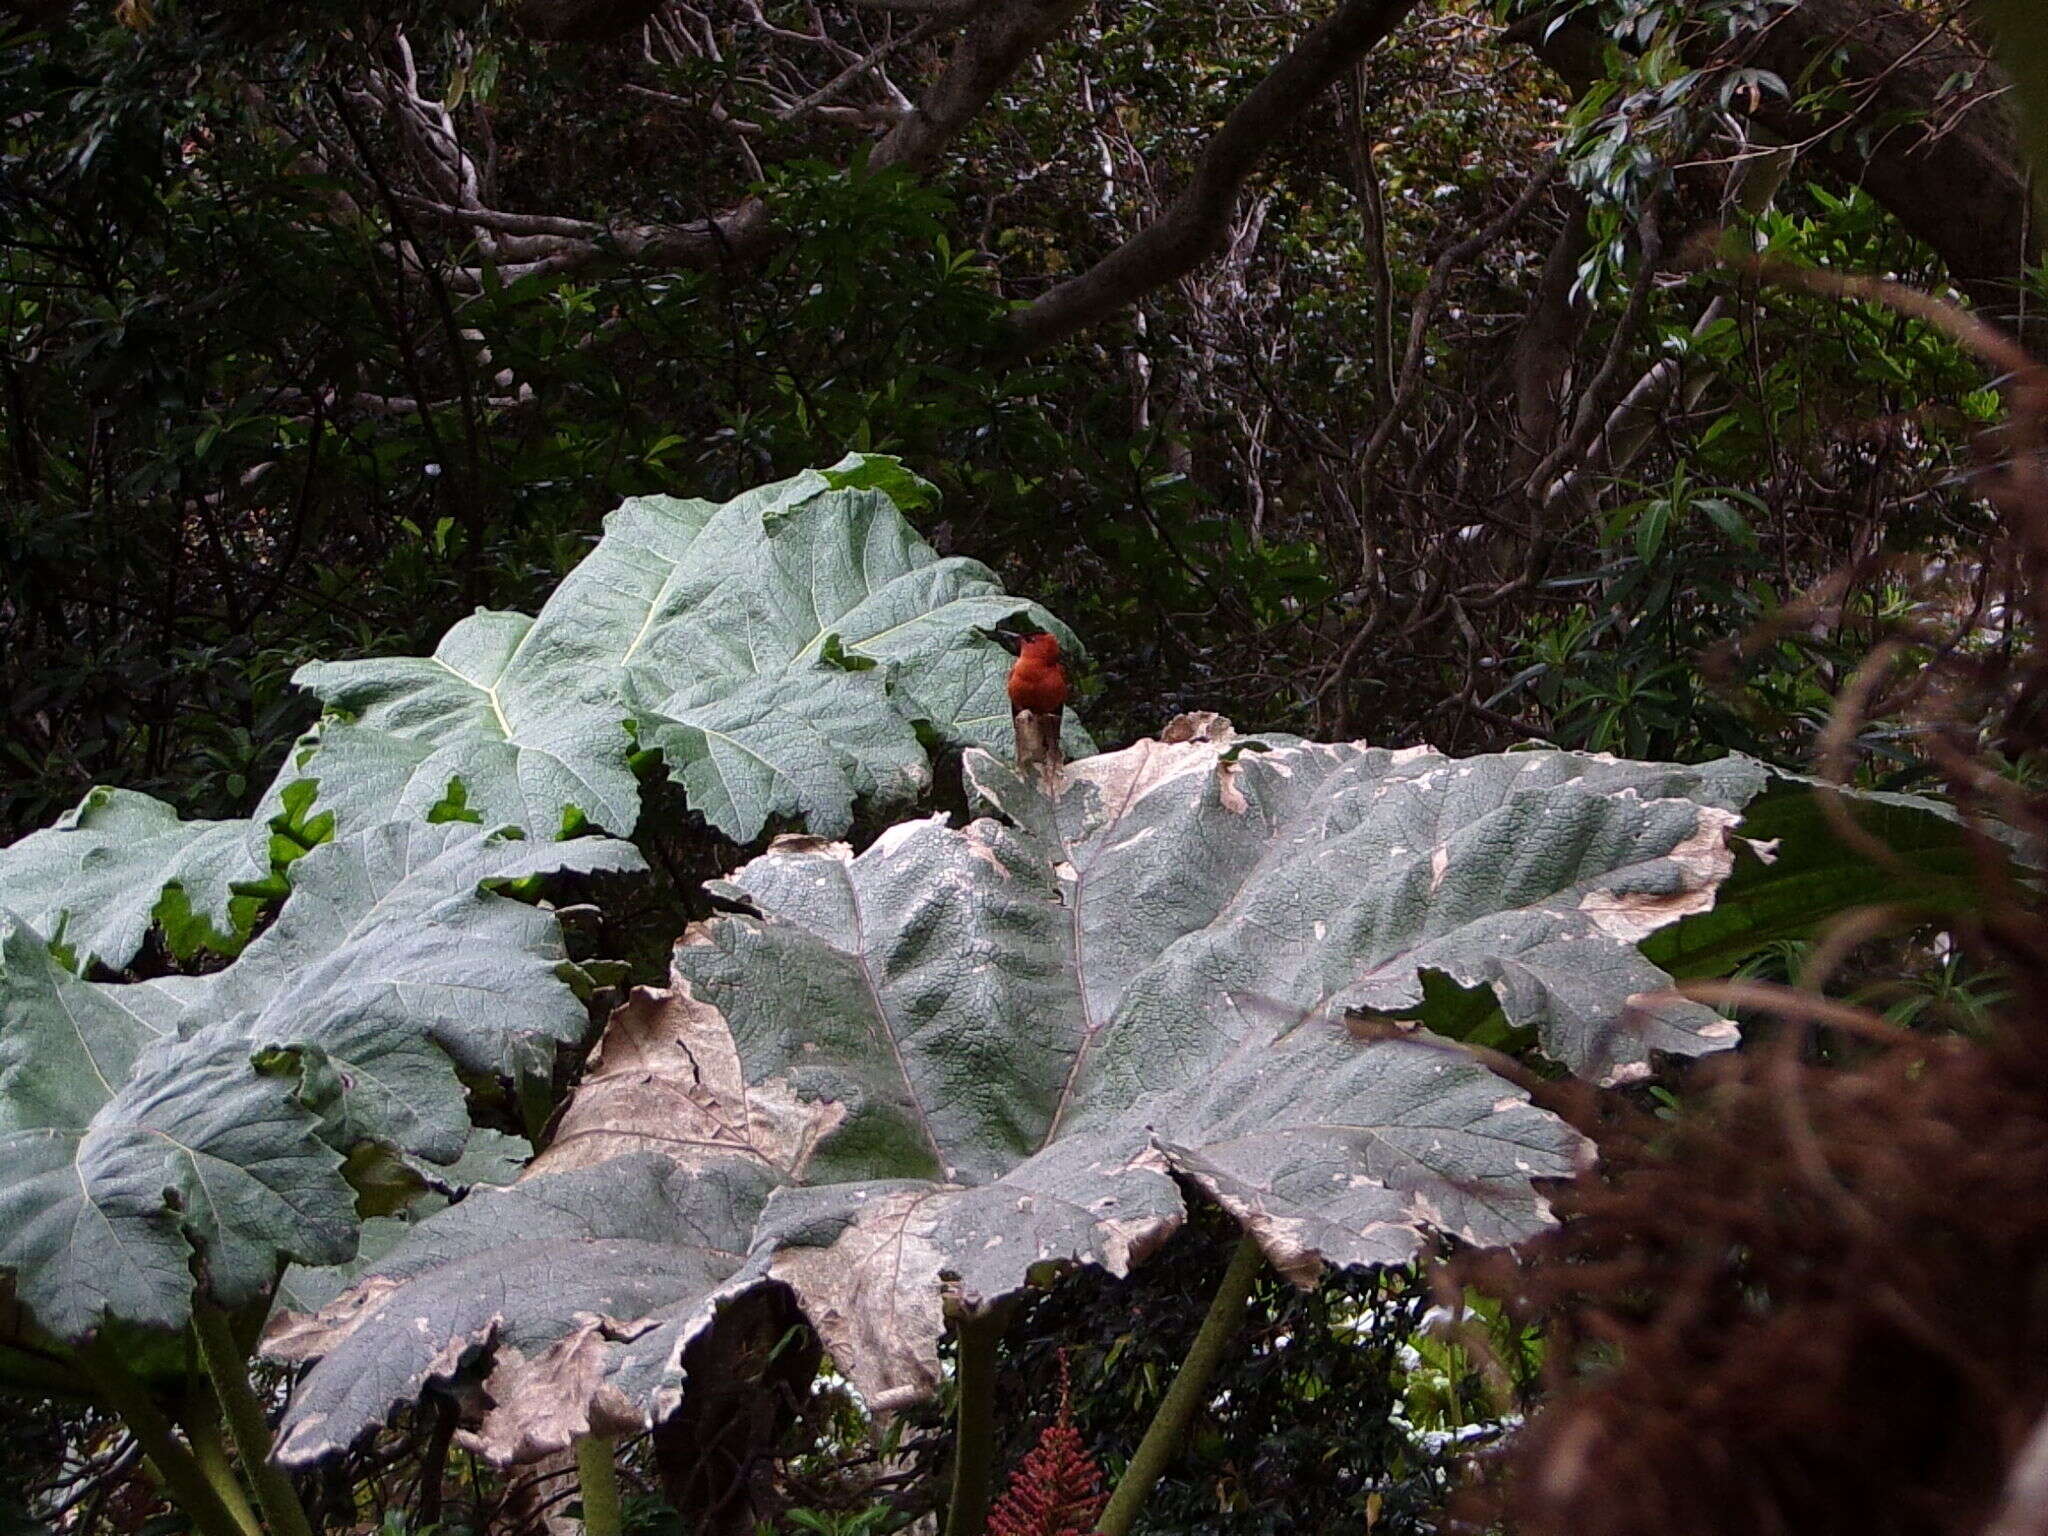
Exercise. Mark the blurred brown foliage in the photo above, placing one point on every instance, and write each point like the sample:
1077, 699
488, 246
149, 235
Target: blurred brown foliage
1816, 1299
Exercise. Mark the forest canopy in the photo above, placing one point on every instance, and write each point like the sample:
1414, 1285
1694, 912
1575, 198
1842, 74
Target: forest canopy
1348, 369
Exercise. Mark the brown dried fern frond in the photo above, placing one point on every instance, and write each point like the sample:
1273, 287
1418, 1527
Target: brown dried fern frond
1816, 1300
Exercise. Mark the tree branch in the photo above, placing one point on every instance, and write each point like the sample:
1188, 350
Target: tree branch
957, 8
994, 45
992, 49
860, 67
1547, 343
1197, 224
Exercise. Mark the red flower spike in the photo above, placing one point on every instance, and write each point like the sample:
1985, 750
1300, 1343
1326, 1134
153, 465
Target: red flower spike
1057, 1488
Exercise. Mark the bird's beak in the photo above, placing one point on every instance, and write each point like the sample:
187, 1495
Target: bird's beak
1008, 637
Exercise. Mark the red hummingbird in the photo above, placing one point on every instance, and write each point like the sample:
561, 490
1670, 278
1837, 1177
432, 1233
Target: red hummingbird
1038, 696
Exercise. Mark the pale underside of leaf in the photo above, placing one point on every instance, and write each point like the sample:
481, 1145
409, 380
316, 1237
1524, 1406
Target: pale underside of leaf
581, 1327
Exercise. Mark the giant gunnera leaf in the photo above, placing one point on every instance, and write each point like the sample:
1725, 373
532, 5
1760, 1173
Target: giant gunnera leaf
145, 1125
93, 881
933, 1073
780, 652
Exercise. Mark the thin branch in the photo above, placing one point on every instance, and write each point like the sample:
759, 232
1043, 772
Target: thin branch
1589, 419
1441, 272
991, 50
508, 223
336, 406
1198, 223
993, 47
860, 67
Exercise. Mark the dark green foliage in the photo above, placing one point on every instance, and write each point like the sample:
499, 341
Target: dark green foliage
218, 461
1668, 640
1307, 1431
239, 430
239, 434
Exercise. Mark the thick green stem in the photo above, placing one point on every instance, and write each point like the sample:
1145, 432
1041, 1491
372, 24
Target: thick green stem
1189, 1391
229, 1372
974, 1439
182, 1475
201, 1423
598, 1477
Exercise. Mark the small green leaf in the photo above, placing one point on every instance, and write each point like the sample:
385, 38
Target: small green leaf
832, 652
1724, 515
1650, 529
454, 806
910, 491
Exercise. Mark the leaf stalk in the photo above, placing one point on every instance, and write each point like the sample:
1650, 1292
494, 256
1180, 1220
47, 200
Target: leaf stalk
597, 1476
183, 1478
229, 1370
1190, 1389
201, 1422
974, 1440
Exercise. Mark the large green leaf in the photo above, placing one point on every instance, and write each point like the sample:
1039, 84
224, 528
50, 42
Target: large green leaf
936, 1072
143, 1122
125, 1150
396, 963
800, 746
200, 1151
1339, 879
616, 1268
967, 1058
92, 881
778, 650
1805, 873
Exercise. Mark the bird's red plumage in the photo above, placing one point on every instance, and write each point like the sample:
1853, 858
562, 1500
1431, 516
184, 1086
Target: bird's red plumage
1038, 681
